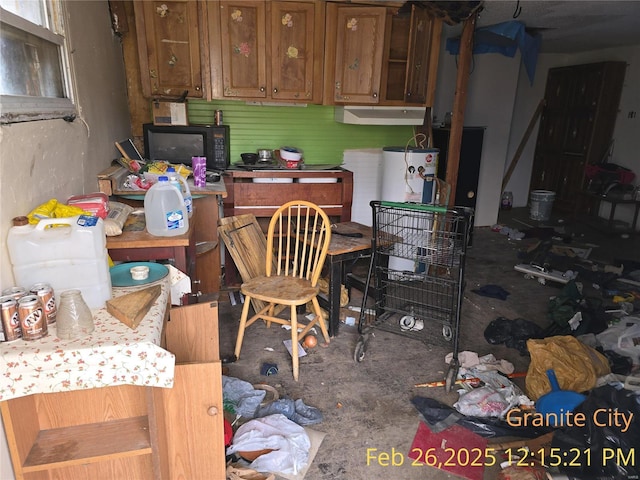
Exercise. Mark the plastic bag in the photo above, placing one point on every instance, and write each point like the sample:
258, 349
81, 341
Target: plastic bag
439, 417
577, 365
242, 396
513, 333
483, 402
295, 411
288, 441
610, 440
117, 216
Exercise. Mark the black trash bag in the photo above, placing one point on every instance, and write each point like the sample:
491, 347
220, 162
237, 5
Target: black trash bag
513, 333
613, 453
619, 364
439, 417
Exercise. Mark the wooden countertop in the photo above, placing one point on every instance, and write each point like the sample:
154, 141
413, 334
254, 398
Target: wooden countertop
110, 182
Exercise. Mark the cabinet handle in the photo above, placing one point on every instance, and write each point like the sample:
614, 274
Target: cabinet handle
262, 89
212, 411
375, 94
275, 90
197, 89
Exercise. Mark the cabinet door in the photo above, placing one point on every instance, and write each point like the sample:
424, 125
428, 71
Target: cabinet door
358, 53
169, 47
191, 422
424, 42
189, 417
243, 44
293, 50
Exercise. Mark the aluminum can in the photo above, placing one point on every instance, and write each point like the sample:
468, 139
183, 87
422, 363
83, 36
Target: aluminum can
48, 299
218, 117
10, 320
33, 321
15, 292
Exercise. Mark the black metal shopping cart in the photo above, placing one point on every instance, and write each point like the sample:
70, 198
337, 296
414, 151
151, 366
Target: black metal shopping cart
416, 275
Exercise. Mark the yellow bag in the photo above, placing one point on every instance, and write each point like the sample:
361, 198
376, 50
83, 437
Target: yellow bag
577, 365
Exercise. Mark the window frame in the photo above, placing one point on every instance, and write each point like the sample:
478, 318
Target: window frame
23, 108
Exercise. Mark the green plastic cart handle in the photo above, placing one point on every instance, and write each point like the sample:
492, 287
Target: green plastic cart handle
415, 206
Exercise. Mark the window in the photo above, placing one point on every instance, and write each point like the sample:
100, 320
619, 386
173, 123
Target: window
34, 80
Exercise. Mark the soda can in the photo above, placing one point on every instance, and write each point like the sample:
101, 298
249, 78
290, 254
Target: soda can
15, 292
10, 320
218, 118
48, 299
33, 321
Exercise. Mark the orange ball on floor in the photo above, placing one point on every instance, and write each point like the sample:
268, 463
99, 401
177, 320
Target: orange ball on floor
310, 341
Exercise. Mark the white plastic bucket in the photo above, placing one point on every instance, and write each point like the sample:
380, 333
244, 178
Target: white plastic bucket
72, 256
541, 204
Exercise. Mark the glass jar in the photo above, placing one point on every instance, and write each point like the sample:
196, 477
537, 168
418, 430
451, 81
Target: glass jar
507, 201
74, 319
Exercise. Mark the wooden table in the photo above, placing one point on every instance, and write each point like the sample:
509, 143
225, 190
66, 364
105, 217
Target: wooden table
206, 275
609, 225
132, 246
342, 249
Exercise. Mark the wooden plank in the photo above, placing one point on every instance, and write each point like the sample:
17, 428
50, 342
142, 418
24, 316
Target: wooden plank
523, 143
88, 443
247, 245
192, 333
131, 308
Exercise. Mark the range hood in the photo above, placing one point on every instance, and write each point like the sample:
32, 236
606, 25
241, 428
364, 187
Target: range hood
367, 115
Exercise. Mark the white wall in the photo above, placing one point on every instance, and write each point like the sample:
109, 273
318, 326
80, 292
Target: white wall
55, 159
501, 98
491, 94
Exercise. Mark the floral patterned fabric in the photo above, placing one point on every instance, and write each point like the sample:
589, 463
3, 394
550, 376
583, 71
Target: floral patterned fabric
113, 354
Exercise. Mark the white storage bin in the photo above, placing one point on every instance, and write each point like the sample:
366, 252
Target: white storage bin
318, 180
273, 180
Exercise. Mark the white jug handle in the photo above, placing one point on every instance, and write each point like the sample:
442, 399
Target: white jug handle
42, 224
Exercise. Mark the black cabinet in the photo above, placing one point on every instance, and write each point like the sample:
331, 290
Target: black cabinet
469, 164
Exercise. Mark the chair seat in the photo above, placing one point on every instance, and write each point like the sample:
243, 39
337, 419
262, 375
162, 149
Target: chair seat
280, 289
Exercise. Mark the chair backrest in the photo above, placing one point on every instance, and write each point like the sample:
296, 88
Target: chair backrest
297, 241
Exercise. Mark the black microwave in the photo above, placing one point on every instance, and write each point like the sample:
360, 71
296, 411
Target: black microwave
177, 144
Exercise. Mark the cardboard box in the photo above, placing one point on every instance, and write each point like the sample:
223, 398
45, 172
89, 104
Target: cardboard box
169, 113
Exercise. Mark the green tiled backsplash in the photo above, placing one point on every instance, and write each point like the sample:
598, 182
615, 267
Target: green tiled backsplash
311, 128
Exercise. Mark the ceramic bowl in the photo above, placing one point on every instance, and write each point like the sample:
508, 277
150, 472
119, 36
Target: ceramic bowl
249, 158
290, 153
139, 273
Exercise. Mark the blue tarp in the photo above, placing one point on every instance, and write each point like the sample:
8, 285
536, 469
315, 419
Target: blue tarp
504, 38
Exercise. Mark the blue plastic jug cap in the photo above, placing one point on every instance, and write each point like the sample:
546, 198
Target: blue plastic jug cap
163, 179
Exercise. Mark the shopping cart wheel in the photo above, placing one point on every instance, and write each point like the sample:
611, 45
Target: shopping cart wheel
361, 348
447, 333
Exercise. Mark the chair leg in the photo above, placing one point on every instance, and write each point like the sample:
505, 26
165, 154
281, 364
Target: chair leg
294, 341
321, 322
242, 326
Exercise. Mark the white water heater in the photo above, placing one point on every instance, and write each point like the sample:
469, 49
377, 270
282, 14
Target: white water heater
408, 174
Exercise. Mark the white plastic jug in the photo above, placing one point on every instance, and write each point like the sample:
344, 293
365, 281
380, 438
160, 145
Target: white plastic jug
71, 255
164, 210
180, 183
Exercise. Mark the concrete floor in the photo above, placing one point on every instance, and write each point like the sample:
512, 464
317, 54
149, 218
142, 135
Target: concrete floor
367, 405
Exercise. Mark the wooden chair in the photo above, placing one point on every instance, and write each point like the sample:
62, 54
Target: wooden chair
297, 242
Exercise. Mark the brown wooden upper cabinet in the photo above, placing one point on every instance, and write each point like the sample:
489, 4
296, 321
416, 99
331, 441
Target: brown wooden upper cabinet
170, 42
380, 55
267, 50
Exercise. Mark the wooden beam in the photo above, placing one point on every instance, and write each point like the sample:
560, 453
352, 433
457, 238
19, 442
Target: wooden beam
523, 143
459, 104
